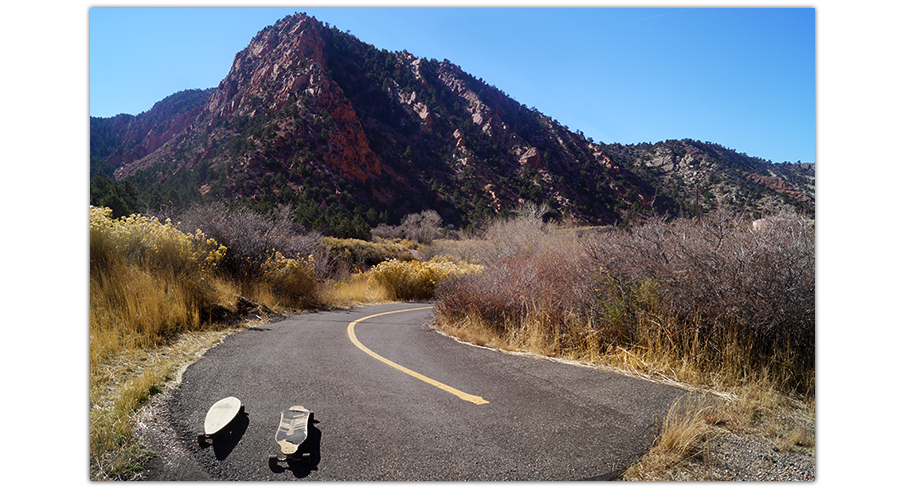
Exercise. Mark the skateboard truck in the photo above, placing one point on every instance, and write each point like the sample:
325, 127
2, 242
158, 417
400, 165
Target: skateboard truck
291, 433
218, 417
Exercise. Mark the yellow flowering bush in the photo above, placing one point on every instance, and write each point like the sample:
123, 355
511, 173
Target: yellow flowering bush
292, 279
146, 242
416, 280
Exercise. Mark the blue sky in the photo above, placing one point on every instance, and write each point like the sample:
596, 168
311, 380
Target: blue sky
743, 78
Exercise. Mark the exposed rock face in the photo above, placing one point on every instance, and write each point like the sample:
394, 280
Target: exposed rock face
142, 134
531, 158
481, 113
276, 64
283, 66
411, 102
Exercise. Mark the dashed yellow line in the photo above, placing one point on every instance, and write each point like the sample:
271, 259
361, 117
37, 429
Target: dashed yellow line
458, 393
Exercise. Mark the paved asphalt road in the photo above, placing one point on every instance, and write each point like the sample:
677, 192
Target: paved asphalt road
543, 420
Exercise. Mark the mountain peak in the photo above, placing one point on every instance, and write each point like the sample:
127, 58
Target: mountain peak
313, 118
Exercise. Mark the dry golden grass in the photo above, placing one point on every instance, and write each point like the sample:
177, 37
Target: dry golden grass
121, 385
143, 325
352, 291
682, 449
133, 308
684, 435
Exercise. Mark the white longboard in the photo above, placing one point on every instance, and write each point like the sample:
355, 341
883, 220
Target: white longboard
219, 415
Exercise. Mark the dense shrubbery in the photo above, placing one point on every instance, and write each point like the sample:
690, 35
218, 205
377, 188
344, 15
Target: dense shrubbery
717, 279
144, 241
292, 280
145, 279
253, 237
151, 279
728, 301
356, 254
147, 285
416, 280
422, 227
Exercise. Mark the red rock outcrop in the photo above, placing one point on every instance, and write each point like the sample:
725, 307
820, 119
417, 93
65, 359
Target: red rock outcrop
283, 65
145, 133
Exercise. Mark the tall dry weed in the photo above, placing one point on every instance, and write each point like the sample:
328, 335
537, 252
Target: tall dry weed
146, 280
148, 283
686, 431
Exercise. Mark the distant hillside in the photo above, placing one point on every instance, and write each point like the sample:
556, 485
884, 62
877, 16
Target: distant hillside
349, 136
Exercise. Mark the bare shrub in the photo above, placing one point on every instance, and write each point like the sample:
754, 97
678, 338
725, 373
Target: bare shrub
252, 237
711, 299
529, 299
534, 285
422, 227
720, 281
525, 230
350, 255
387, 232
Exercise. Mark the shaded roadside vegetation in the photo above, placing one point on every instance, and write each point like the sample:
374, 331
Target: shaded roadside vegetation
710, 302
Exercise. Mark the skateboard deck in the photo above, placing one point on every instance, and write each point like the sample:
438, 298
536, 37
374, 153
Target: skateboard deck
219, 415
292, 432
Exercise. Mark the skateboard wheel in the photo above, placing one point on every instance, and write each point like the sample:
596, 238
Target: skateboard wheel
243, 410
273, 460
201, 439
305, 459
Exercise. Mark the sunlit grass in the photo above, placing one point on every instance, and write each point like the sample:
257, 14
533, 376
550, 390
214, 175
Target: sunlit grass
120, 386
416, 280
357, 289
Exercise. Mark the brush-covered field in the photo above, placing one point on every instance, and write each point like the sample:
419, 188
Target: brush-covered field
714, 303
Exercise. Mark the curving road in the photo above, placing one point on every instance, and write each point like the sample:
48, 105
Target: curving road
395, 400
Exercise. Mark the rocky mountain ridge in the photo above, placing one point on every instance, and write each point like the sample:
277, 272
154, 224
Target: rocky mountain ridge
123, 139
315, 119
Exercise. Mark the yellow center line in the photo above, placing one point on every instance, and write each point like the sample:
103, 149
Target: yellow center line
458, 393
